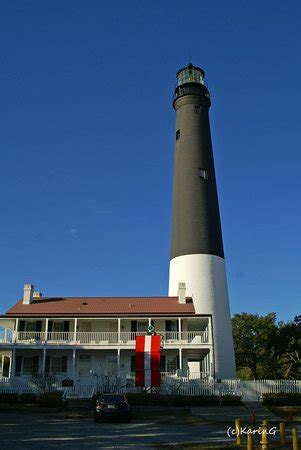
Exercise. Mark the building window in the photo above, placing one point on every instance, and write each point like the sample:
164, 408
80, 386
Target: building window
58, 327
142, 326
203, 174
171, 364
197, 109
56, 364
27, 365
171, 325
6, 366
178, 134
30, 326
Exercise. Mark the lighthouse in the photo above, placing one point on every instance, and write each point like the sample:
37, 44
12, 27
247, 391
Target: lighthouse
197, 253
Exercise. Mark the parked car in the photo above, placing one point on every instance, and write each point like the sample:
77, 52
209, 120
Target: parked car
112, 406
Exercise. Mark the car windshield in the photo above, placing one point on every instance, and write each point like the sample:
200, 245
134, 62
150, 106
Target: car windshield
112, 398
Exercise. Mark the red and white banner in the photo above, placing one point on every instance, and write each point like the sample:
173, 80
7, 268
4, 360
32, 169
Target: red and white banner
148, 361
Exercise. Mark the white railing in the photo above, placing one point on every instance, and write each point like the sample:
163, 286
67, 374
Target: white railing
100, 337
60, 336
30, 336
97, 337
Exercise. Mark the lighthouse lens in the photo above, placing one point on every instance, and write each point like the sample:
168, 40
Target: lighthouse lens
190, 75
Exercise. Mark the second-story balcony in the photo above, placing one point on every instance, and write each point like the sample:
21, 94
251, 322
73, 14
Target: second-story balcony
100, 338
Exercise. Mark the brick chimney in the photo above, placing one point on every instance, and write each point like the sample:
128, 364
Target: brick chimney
28, 294
182, 293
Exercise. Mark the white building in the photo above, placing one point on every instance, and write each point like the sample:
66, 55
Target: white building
76, 337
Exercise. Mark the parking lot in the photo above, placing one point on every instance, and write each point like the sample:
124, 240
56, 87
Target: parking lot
21, 430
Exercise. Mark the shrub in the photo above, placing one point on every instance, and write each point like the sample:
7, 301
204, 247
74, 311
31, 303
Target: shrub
28, 398
282, 399
52, 399
6, 397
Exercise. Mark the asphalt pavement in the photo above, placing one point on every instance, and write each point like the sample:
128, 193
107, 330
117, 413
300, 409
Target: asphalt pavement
21, 430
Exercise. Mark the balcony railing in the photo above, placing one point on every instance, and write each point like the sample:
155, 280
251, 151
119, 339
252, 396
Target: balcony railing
99, 337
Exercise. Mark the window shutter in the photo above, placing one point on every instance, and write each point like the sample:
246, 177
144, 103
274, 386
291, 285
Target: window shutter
64, 363
18, 365
178, 362
133, 326
47, 364
162, 363
133, 363
177, 325
66, 326
35, 364
50, 325
22, 325
38, 325
167, 325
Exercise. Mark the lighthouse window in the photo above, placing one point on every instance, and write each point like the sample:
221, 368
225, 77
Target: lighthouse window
177, 135
203, 174
197, 109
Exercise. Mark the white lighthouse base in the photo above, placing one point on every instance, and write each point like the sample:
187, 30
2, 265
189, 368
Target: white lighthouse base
206, 283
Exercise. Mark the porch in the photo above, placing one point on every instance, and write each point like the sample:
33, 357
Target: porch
77, 364
104, 332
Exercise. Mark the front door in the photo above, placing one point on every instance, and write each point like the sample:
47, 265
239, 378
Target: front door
112, 364
84, 365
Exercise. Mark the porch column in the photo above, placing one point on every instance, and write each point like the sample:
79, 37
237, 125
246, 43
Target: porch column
13, 362
180, 329
16, 330
209, 330
118, 361
46, 330
75, 330
180, 361
149, 321
44, 361
5, 334
73, 362
118, 329
205, 366
210, 363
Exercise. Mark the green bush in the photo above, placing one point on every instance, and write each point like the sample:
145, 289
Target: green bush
6, 397
52, 400
282, 399
28, 398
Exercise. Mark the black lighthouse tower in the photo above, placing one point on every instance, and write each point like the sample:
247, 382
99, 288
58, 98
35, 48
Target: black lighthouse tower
197, 254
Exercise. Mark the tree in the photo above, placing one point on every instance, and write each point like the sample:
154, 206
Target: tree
266, 349
289, 348
254, 338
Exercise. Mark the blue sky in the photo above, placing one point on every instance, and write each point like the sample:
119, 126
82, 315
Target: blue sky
86, 144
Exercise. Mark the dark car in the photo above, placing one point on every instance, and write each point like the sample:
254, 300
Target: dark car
112, 406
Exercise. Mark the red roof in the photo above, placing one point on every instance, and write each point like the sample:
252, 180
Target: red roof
102, 306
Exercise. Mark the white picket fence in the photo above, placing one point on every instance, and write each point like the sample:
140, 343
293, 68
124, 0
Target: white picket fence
251, 390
